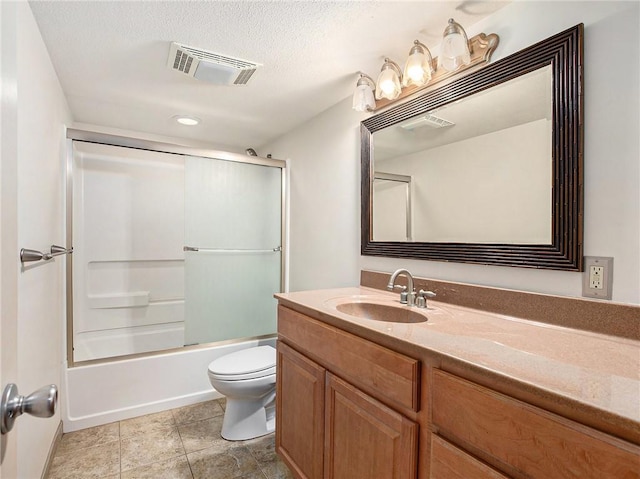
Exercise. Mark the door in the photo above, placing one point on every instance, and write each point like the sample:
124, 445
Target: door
8, 323
233, 254
8, 350
353, 419
31, 199
300, 412
8, 223
392, 207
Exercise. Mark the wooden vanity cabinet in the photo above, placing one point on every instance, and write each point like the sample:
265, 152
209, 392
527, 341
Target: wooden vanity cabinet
347, 408
327, 426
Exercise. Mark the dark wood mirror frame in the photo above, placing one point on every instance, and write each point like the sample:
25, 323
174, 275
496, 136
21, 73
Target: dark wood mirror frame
563, 52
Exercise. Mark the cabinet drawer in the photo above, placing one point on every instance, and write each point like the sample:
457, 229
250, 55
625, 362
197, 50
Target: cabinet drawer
389, 376
449, 462
524, 438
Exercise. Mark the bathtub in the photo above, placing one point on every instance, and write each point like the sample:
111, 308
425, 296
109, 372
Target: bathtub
105, 392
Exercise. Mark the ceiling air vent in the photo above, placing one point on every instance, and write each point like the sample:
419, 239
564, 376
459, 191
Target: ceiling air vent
429, 120
210, 67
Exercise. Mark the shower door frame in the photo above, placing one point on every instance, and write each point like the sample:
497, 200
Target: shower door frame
88, 136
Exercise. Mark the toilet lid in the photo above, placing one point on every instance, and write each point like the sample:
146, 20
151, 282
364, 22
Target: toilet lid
245, 364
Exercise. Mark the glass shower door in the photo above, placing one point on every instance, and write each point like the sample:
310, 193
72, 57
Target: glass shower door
233, 240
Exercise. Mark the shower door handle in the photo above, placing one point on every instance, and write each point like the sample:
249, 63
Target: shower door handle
40, 403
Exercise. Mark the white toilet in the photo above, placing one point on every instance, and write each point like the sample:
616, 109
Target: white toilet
248, 380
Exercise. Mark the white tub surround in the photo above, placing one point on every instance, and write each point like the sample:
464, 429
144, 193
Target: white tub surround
111, 391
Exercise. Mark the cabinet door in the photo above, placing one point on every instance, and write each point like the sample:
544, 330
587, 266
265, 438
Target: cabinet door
364, 438
299, 412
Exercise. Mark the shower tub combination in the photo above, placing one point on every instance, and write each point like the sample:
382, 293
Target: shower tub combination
177, 255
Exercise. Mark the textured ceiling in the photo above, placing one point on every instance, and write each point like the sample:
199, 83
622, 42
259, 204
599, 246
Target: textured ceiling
111, 58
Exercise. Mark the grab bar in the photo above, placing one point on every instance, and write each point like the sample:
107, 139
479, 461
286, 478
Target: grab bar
28, 255
222, 250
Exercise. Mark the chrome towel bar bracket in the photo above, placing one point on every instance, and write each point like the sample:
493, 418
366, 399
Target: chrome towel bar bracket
28, 255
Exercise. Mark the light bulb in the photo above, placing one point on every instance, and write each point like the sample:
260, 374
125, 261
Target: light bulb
417, 70
388, 84
415, 73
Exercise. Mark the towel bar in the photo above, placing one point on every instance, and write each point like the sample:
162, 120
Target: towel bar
28, 255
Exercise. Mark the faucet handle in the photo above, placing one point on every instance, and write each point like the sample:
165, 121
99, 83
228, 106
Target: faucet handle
421, 302
391, 287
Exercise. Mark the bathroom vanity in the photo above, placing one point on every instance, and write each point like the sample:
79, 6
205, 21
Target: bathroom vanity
455, 393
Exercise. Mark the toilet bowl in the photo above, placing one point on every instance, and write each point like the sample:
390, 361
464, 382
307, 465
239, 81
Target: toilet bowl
248, 380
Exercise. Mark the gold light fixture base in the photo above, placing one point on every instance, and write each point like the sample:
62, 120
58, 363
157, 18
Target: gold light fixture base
482, 47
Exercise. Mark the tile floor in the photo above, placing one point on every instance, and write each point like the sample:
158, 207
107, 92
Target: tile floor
175, 444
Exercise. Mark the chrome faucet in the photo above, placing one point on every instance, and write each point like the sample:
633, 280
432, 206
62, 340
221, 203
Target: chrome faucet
408, 294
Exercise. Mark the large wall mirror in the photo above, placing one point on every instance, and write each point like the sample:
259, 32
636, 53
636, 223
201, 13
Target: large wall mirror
485, 169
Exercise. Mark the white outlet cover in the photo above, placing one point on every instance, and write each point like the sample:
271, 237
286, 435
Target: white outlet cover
592, 287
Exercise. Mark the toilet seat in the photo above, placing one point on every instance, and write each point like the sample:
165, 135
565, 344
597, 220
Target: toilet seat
248, 363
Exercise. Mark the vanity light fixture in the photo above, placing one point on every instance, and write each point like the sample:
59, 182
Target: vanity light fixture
455, 50
421, 70
388, 84
363, 99
419, 66
187, 120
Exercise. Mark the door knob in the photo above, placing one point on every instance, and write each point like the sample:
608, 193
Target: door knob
40, 403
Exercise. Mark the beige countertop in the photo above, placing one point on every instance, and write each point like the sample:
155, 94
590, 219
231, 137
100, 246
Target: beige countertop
597, 370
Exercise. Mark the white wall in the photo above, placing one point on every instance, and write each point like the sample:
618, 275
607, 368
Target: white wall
324, 153
41, 113
513, 163
324, 197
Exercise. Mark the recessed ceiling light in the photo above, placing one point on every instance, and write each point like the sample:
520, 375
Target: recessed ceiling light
187, 120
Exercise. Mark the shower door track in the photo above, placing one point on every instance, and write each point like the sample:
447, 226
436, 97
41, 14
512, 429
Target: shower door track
87, 136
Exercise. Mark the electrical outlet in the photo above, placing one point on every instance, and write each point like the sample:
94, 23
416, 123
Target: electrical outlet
597, 279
